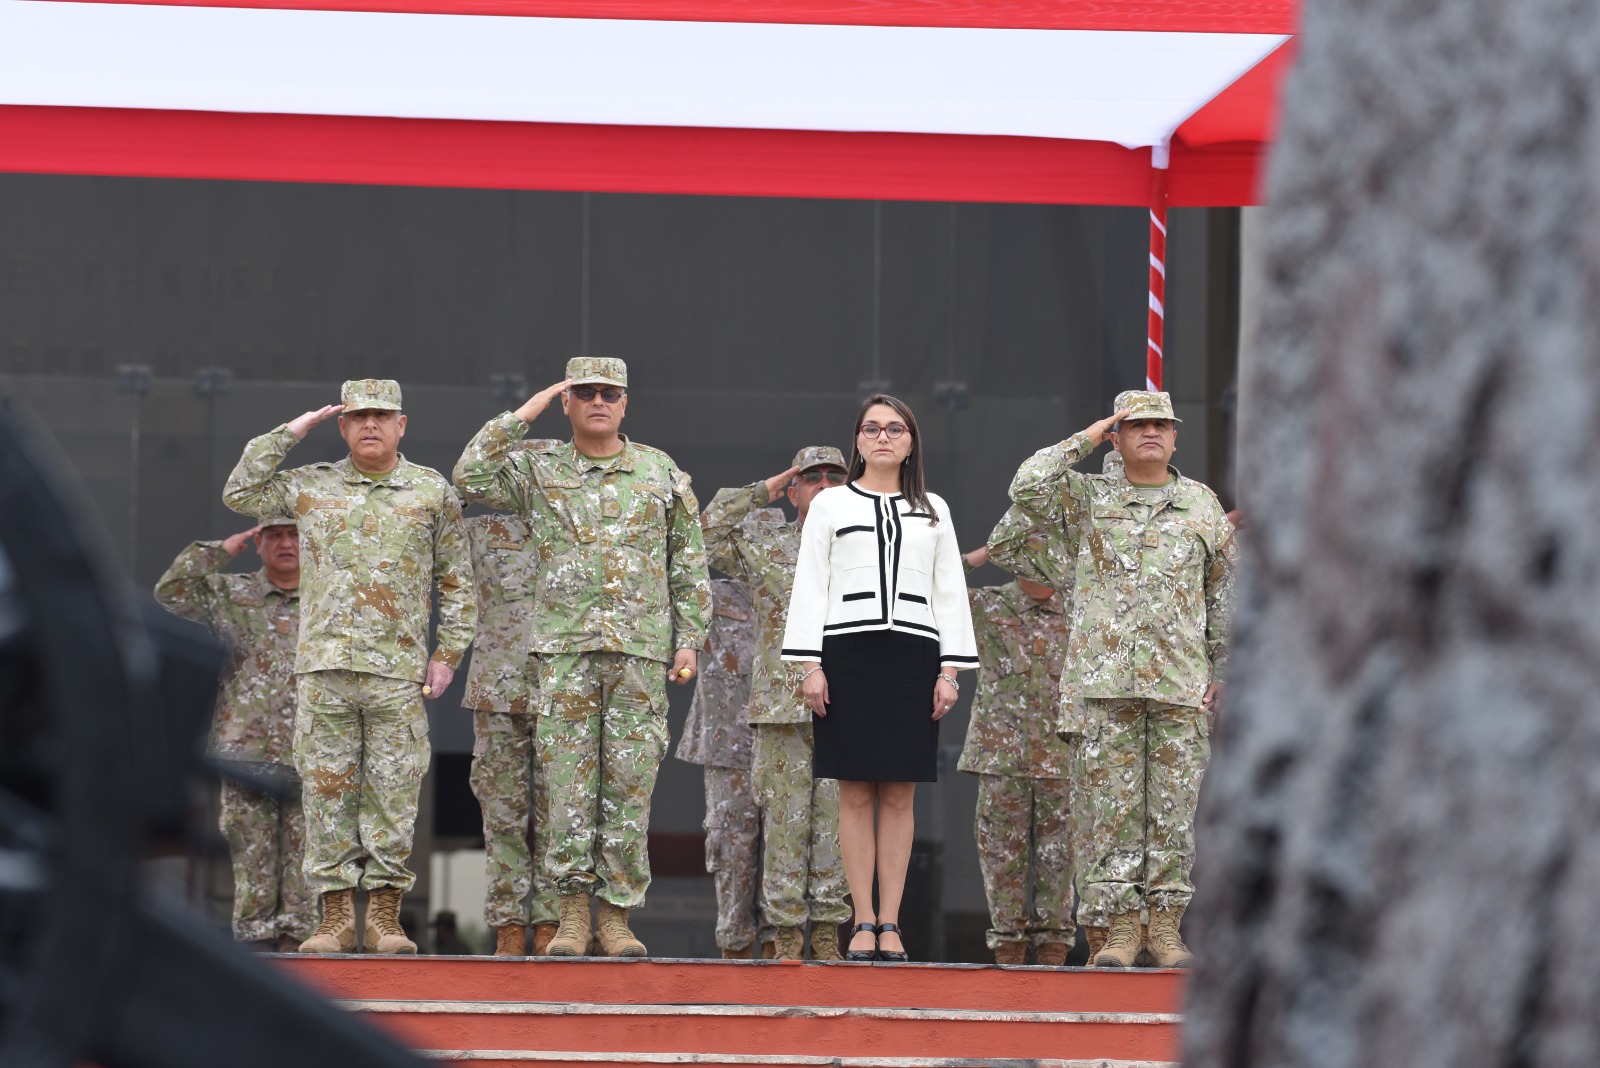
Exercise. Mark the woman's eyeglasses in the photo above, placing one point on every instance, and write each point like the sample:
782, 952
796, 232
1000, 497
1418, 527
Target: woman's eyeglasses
834, 477
610, 394
894, 430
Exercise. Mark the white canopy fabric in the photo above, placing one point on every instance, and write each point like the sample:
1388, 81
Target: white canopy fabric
1127, 88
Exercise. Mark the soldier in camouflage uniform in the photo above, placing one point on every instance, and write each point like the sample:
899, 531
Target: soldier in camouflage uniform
1023, 823
377, 535
802, 870
1145, 664
622, 591
256, 615
506, 774
717, 737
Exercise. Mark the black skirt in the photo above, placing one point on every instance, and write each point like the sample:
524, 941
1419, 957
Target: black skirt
880, 725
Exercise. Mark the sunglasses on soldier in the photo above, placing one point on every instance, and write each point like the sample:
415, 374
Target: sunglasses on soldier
609, 394
834, 476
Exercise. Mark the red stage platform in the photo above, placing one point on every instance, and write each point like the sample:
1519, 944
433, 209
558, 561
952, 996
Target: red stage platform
593, 1012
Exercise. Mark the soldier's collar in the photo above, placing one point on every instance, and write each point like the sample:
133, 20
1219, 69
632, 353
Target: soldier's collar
400, 476
1130, 492
624, 462
265, 587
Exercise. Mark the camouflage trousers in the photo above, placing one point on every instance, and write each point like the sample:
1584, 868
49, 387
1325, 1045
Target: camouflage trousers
266, 840
733, 855
1136, 772
361, 747
802, 872
1024, 831
601, 741
508, 782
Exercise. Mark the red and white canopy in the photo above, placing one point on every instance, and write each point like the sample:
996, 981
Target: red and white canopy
1052, 101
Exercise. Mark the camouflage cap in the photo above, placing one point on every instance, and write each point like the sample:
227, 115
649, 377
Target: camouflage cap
818, 456
274, 516
1144, 404
597, 371
366, 394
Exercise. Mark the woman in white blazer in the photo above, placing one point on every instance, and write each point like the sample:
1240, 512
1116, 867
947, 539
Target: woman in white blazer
880, 624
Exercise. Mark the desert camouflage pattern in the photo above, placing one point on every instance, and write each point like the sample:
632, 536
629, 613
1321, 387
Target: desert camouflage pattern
733, 854
759, 547
259, 625
508, 780
1024, 831
802, 871
597, 371
1153, 573
602, 734
364, 394
1021, 645
1021, 546
361, 747
505, 563
1137, 770
266, 841
371, 553
1145, 404
621, 559
715, 733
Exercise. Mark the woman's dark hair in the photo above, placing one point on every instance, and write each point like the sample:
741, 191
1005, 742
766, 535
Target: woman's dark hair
913, 485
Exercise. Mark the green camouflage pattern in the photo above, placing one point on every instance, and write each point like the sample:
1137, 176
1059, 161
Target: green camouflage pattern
1021, 645
366, 394
505, 562
507, 778
602, 734
715, 733
1137, 769
361, 747
759, 547
371, 553
266, 841
597, 371
258, 624
733, 854
802, 871
621, 559
1153, 574
1019, 545
1024, 831
1145, 404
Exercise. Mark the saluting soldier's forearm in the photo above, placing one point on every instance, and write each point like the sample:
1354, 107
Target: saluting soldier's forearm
253, 479
483, 472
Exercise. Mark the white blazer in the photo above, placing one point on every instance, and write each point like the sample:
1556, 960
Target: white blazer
868, 562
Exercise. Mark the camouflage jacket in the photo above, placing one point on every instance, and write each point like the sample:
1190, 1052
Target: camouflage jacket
1019, 545
371, 552
716, 734
621, 561
1021, 645
1153, 577
759, 546
505, 562
258, 623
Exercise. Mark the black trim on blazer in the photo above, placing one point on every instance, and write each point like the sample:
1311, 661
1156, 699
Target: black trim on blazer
801, 652
917, 515
917, 626
864, 595
914, 598
962, 659
842, 531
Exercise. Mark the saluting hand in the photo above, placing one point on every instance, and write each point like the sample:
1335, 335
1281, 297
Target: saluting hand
778, 483
684, 665
540, 401
1100, 432
235, 543
300, 425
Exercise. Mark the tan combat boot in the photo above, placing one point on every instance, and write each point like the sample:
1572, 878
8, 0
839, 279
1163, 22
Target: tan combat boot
615, 938
384, 933
1051, 955
337, 931
572, 935
1095, 939
769, 950
736, 953
1166, 947
825, 942
1011, 953
1122, 942
790, 944
542, 933
511, 940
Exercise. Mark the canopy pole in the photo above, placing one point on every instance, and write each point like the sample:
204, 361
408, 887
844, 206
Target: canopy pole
1159, 156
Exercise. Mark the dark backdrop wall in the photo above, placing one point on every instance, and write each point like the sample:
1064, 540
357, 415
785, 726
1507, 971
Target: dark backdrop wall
153, 326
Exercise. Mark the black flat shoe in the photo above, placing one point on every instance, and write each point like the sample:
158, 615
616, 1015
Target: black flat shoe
861, 954
888, 954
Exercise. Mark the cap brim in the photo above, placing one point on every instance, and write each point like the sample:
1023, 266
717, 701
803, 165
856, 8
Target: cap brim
599, 381
369, 406
819, 463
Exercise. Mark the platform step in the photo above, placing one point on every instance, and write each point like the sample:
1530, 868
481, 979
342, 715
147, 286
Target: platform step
596, 1012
